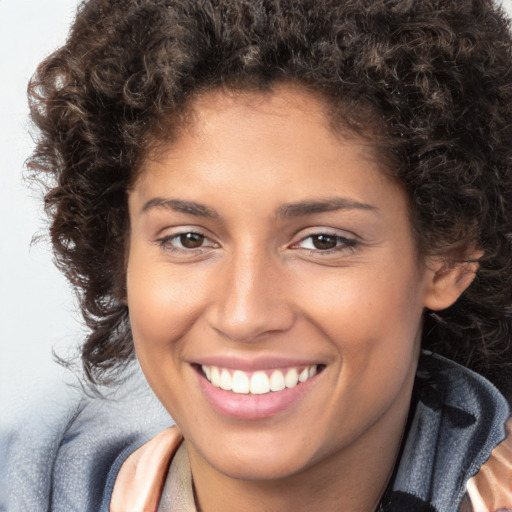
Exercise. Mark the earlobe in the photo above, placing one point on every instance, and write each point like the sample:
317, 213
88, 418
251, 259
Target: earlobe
447, 281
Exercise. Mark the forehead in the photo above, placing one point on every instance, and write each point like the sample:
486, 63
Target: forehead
286, 119
281, 101
261, 151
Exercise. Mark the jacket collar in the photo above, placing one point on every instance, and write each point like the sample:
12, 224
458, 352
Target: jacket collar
456, 419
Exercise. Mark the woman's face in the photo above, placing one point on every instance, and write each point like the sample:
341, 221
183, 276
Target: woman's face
263, 249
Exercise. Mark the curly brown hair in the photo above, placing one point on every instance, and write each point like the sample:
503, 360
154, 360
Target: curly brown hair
433, 77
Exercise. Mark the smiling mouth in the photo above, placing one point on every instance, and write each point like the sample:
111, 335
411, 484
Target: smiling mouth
258, 382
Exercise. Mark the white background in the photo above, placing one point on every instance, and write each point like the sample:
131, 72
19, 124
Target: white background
37, 308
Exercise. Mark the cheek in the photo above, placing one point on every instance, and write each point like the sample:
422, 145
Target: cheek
162, 300
371, 317
367, 300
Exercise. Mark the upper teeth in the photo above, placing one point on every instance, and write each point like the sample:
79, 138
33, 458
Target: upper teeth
257, 383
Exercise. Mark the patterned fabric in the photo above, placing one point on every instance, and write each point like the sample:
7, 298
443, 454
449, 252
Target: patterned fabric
457, 418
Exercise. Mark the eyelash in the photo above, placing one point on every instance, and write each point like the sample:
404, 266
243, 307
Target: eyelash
342, 243
166, 242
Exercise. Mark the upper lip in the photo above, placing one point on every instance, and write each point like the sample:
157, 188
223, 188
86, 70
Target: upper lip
254, 363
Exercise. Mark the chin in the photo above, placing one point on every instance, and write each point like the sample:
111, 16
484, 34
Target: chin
260, 457
260, 468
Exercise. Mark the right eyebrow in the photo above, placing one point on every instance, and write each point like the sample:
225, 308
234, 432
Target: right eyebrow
309, 207
178, 205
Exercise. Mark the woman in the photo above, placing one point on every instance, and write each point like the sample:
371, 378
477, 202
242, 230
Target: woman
275, 205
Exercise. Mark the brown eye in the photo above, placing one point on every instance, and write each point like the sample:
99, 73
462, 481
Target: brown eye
324, 242
191, 240
327, 243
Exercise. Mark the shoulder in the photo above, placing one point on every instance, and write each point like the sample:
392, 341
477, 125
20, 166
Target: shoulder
456, 423
59, 458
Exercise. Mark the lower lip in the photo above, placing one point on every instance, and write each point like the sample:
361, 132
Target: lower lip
253, 407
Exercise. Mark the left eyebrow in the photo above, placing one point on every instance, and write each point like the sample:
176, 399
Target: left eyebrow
307, 207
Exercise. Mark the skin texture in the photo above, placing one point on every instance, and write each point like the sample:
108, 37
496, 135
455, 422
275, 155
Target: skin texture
258, 288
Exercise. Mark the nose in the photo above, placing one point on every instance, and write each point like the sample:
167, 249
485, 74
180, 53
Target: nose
251, 298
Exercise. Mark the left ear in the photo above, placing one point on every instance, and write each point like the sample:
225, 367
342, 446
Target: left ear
447, 279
